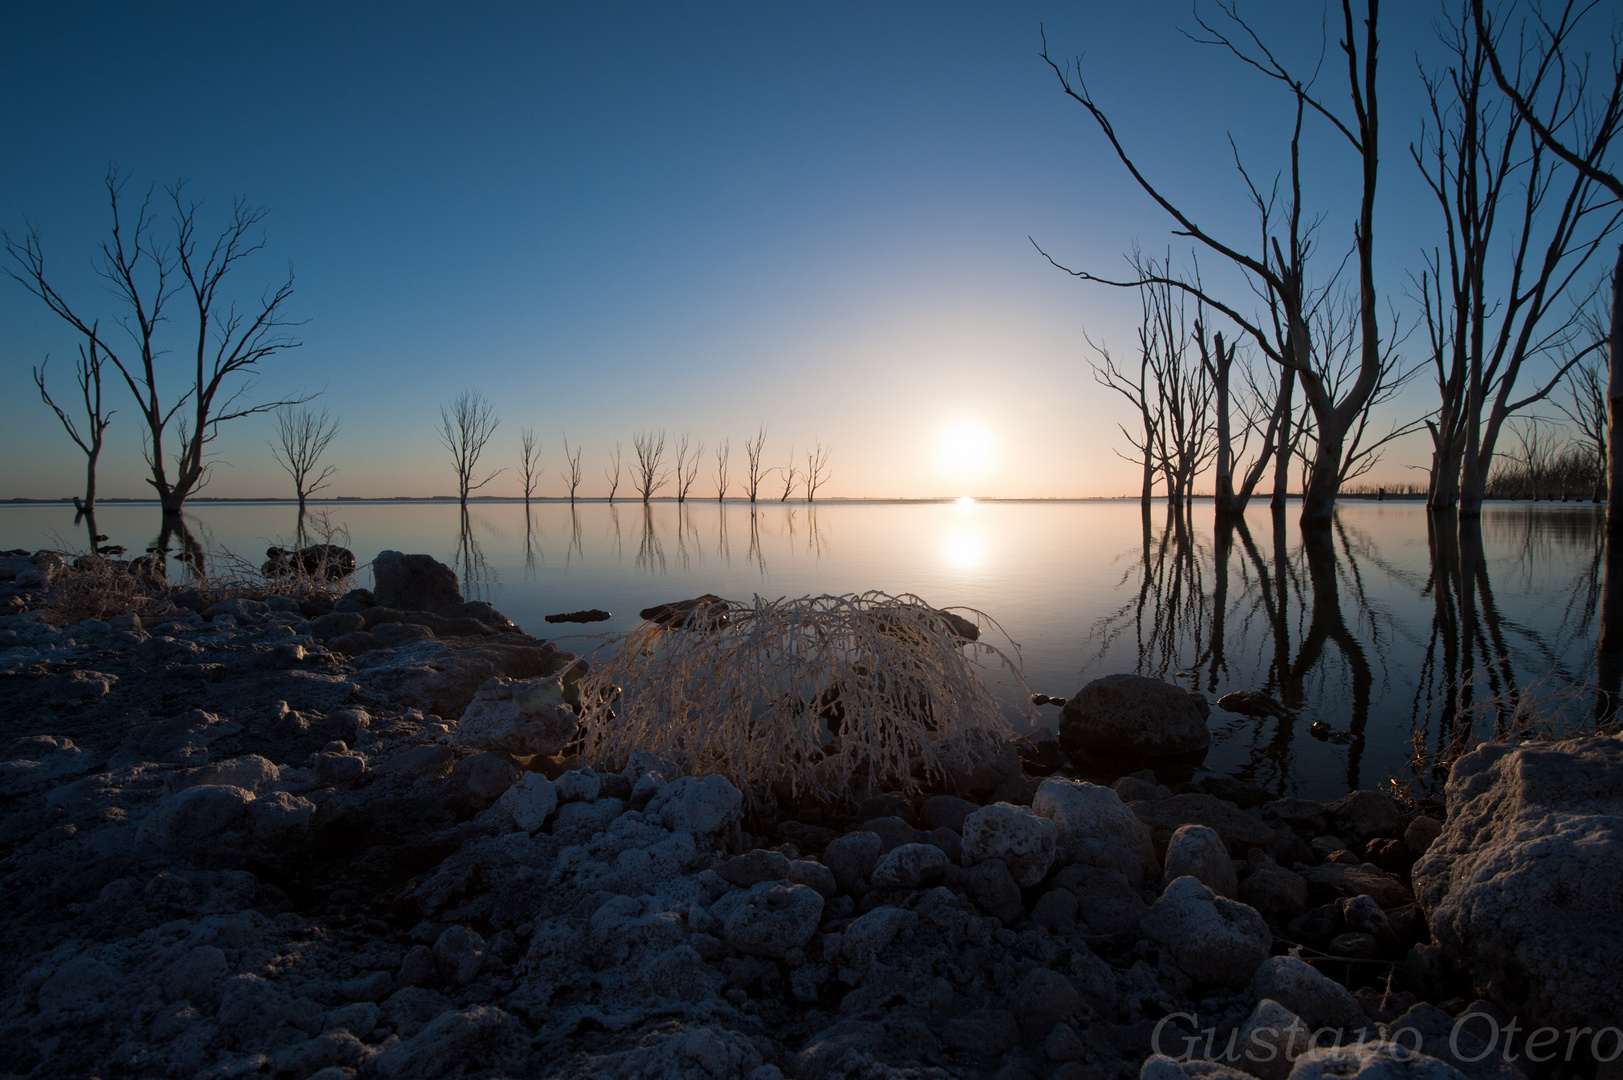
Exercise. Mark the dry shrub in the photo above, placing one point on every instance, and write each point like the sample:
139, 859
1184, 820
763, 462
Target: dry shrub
96, 587
804, 698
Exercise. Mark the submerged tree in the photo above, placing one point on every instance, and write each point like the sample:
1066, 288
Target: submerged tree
650, 474
573, 469
88, 375
723, 452
756, 471
790, 473
530, 467
687, 467
302, 436
466, 425
613, 472
817, 469
222, 347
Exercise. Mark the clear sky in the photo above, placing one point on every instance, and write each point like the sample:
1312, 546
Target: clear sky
690, 217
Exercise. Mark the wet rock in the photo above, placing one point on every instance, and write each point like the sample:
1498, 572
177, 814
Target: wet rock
1132, 715
852, 857
1524, 887
770, 919
1301, 988
1197, 851
413, 582
1022, 839
911, 866
1363, 815
1095, 828
1211, 939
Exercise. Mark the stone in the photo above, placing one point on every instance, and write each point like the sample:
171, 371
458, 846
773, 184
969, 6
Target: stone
577, 785
530, 801
993, 888
81, 686
1024, 840
250, 772
867, 936
1095, 828
947, 812
754, 867
707, 806
813, 875
332, 1052
482, 1038
191, 823
1056, 910
1134, 716
578, 822
194, 976
1374, 1060
409, 1009
1301, 988
1357, 879
1107, 903
488, 776
335, 769
1044, 998
1211, 939
534, 721
853, 856
1273, 890
1161, 1067
1064, 1044
911, 866
1137, 789
983, 1031
1363, 815
879, 806
459, 954
1271, 1039
1198, 852
1303, 815
416, 967
1420, 835
1239, 830
770, 918
1523, 889
413, 582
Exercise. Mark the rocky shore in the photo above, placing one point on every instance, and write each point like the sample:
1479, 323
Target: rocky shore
302, 837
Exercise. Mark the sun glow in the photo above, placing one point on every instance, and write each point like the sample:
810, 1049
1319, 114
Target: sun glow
965, 451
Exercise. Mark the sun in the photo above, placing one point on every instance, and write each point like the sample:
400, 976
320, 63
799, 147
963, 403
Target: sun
965, 450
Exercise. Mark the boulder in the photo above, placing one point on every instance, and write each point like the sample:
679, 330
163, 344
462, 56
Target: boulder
1094, 827
1134, 716
532, 720
481, 1038
1272, 1038
1211, 939
911, 866
1297, 985
1017, 835
947, 812
1363, 815
1197, 851
707, 806
1371, 1061
530, 801
1105, 902
1356, 879
853, 856
1239, 830
769, 919
413, 582
1524, 887
754, 867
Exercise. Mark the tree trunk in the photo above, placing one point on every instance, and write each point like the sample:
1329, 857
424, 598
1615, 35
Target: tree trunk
1282, 459
1324, 482
1614, 392
1223, 489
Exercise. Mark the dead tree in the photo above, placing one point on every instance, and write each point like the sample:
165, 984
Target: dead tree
572, 469
613, 472
222, 346
722, 453
790, 474
1587, 411
649, 476
1144, 394
687, 467
752, 453
466, 426
88, 375
817, 469
1277, 269
530, 467
302, 436
1480, 338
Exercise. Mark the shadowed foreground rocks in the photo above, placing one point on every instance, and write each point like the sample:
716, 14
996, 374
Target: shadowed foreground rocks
264, 839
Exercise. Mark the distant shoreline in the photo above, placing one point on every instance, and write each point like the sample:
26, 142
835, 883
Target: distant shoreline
348, 500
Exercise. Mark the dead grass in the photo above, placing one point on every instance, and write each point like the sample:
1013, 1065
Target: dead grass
813, 697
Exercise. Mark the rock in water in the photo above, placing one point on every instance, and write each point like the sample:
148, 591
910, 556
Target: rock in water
1524, 888
1253, 703
1134, 716
413, 582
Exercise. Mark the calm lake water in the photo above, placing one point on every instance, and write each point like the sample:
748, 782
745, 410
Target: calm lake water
1375, 627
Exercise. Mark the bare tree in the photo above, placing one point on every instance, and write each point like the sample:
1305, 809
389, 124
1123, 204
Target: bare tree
573, 469
1480, 339
790, 474
722, 453
817, 469
1144, 394
687, 467
302, 436
613, 472
649, 476
465, 427
752, 452
223, 349
1587, 411
530, 467
1278, 270
88, 375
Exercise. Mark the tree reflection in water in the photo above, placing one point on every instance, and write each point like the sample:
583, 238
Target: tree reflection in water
477, 576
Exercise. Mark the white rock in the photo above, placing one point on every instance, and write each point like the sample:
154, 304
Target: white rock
1095, 828
530, 801
1022, 839
701, 805
534, 720
577, 785
1271, 1040
911, 866
769, 919
1371, 1061
1197, 851
1212, 939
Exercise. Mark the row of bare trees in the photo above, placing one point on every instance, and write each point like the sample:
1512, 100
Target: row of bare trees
1512, 149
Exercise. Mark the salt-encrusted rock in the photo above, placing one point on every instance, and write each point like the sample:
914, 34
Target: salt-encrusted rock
813, 875
1095, 828
578, 785
1524, 888
1044, 998
769, 919
488, 776
413, 582
754, 867
278, 822
1371, 1061
192, 822
1064, 1044
459, 953
853, 856
1017, 835
1271, 1040
578, 822
1299, 987
911, 866
533, 720
867, 937
409, 1009
1363, 815
1197, 851
893, 832
1212, 939
706, 806
530, 801
1161, 1067
1135, 716
249, 772
80, 686
482, 1038
1106, 902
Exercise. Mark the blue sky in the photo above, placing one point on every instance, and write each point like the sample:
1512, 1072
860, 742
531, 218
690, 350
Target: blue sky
697, 218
